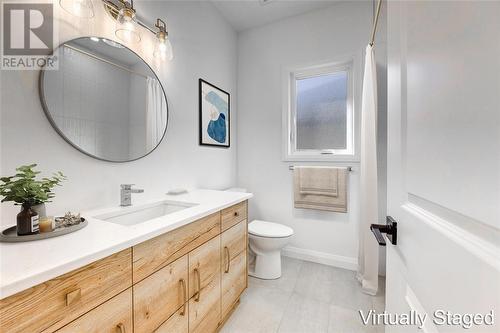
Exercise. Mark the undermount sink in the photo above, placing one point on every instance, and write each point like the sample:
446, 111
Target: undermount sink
133, 215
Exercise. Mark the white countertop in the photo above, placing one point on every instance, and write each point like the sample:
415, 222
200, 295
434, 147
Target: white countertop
24, 265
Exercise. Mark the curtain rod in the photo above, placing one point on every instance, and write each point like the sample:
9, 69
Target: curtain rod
103, 60
374, 30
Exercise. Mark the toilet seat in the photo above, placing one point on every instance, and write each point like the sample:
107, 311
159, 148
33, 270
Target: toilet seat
268, 229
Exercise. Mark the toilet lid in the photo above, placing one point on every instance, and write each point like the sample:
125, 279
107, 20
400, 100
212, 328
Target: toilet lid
269, 229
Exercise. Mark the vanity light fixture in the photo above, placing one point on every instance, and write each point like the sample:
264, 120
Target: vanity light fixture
126, 28
79, 8
163, 48
126, 23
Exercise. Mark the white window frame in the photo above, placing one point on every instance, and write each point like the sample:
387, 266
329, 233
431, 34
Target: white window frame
289, 128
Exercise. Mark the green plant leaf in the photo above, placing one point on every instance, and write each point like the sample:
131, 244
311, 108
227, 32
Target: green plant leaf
24, 188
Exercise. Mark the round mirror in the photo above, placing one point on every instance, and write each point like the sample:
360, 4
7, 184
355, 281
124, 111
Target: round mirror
104, 100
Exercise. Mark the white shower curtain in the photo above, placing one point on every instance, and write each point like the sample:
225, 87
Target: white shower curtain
156, 113
368, 246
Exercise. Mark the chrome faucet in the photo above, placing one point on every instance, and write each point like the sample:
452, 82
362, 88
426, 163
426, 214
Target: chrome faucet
126, 194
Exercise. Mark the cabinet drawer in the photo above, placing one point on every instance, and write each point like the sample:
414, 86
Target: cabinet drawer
158, 296
53, 304
233, 242
234, 214
158, 252
234, 281
177, 323
114, 316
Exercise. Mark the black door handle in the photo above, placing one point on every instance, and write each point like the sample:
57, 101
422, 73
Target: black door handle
376, 229
390, 228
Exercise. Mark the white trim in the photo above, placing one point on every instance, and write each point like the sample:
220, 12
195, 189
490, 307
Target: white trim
368, 291
483, 250
415, 305
322, 158
321, 257
350, 64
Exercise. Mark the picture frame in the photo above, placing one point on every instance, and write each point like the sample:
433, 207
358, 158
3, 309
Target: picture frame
214, 115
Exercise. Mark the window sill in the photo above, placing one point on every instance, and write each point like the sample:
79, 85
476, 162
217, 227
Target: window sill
321, 158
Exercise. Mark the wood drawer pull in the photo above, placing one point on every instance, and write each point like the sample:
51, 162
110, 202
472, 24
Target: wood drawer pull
184, 292
121, 327
226, 250
73, 296
198, 279
236, 214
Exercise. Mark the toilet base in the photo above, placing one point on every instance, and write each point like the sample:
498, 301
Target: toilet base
267, 267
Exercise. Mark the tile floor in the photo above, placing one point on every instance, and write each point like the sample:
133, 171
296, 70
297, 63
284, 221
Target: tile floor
308, 298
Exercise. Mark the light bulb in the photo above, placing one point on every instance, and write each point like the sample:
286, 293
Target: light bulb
163, 48
79, 8
125, 26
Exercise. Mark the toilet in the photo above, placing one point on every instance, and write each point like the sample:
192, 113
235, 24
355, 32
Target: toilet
266, 241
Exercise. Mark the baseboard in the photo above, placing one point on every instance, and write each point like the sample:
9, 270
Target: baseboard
321, 257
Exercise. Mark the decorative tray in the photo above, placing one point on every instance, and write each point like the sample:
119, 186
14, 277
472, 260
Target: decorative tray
9, 235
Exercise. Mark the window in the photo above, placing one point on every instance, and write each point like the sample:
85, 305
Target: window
319, 113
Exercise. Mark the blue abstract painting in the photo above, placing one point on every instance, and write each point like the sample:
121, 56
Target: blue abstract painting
214, 115
217, 129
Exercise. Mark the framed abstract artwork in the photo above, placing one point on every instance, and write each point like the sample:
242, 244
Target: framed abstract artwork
214, 115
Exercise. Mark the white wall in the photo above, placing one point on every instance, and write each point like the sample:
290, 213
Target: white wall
313, 38
204, 46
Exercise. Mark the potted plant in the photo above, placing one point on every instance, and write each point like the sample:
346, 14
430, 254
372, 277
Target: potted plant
24, 189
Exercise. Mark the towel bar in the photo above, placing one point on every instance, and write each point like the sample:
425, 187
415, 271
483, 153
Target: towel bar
291, 167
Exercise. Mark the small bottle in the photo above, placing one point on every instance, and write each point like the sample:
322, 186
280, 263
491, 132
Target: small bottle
27, 221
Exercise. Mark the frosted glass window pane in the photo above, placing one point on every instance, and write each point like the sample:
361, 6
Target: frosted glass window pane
322, 112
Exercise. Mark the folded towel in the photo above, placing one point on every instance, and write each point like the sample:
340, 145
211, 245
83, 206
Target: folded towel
318, 180
321, 197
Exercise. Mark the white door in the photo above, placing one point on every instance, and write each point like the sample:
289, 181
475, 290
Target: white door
444, 162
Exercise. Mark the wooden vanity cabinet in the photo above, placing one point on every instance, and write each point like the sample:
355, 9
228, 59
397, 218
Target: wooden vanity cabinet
185, 281
160, 295
233, 265
177, 323
51, 305
232, 215
160, 251
113, 316
204, 287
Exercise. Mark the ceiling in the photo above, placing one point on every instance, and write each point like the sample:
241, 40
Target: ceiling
247, 14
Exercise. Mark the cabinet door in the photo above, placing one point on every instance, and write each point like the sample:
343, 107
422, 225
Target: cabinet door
160, 295
204, 287
113, 316
234, 241
177, 323
233, 265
